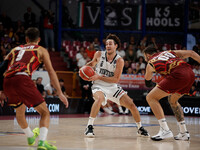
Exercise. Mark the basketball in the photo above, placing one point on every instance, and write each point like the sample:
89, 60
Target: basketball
86, 72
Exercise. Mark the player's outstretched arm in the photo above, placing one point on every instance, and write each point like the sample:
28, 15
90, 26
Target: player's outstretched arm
188, 53
52, 75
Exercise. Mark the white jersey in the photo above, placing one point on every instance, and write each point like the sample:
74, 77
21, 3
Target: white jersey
105, 68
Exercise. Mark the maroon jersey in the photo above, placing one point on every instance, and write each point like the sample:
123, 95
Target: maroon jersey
164, 62
24, 58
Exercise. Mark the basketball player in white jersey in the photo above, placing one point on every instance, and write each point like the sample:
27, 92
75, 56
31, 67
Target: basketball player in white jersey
109, 66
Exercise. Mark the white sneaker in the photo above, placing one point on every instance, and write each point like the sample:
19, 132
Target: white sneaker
183, 136
107, 110
162, 134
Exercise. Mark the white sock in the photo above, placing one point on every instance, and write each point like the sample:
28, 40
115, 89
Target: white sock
139, 124
182, 126
90, 121
43, 133
28, 132
163, 124
120, 108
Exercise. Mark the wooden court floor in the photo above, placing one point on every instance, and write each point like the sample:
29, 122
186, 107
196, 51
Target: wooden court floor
116, 132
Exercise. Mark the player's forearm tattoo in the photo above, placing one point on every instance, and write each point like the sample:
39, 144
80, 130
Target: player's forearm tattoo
178, 111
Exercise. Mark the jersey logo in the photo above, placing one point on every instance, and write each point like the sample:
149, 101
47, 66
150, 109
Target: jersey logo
106, 72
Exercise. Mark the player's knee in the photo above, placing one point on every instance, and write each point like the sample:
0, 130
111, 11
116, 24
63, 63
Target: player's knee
172, 103
99, 100
148, 98
132, 106
45, 113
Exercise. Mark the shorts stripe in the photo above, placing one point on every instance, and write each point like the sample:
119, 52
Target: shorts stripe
118, 93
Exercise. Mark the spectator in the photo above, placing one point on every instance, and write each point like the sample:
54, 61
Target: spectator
61, 81
153, 42
21, 34
140, 64
139, 52
86, 96
29, 18
143, 42
96, 44
90, 51
40, 86
50, 91
6, 21
193, 91
121, 52
79, 55
126, 66
83, 60
130, 55
133, 43
49, 30
11, 33
103, 45
196, 70
129, 71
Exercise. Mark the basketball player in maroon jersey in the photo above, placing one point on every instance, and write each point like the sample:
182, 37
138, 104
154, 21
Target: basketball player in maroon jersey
21, 62
178, 79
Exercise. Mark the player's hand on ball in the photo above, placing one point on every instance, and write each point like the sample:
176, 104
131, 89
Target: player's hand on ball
94, 77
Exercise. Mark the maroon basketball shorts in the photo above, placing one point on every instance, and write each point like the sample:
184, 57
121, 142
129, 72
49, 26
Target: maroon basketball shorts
180, 80
21, 89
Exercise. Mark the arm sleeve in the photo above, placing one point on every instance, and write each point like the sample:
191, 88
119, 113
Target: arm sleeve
150, 83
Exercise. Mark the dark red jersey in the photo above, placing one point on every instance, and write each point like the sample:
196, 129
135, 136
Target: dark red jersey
24, 58
164, 62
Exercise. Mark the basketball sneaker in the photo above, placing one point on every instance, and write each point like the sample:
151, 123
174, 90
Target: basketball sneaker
44, 145
31, 140
162, 134
89, 131
183, 136
142, 132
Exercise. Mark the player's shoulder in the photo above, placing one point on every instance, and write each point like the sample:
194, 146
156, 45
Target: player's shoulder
120, 60
42, 50
98, 54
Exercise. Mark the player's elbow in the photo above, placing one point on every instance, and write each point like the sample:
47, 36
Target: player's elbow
192, 54
116, 80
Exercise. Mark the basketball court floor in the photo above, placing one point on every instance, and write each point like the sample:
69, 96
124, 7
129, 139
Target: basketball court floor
117, 132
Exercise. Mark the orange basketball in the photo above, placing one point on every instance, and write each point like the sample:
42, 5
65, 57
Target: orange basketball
85, 72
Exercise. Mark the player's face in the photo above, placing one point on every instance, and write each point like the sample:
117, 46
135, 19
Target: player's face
110, 46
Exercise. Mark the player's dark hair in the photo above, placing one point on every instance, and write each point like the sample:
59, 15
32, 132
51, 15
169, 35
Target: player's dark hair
32, 34
150, 50
115, 39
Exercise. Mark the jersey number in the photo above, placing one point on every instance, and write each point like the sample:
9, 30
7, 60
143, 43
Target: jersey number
165, 56
20, 55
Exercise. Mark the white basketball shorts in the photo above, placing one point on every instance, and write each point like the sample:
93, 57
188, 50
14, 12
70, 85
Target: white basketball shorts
113, 93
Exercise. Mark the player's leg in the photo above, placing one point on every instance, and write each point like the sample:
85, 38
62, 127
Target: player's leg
44, 125
21, 119
178, 112
127, 102
153, 100
99, 98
